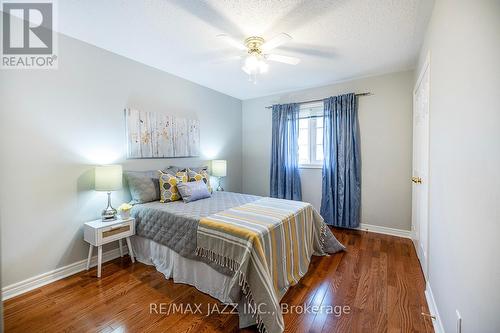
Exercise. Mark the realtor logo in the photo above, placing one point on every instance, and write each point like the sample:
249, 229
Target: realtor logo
28, 37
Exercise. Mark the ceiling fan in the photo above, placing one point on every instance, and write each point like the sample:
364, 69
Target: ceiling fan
257, 53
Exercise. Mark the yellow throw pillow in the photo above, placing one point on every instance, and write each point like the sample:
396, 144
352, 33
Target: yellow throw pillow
202, 175
168, 186
182, 175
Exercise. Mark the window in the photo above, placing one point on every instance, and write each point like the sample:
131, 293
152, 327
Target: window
311, 135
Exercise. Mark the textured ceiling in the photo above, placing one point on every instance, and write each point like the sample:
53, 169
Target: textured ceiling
336, 39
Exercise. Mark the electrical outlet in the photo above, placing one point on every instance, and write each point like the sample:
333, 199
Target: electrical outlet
459, 322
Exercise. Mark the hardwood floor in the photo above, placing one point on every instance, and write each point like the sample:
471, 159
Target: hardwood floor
378, 278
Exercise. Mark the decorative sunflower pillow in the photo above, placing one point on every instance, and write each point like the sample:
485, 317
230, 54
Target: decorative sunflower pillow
201, 175
168, 186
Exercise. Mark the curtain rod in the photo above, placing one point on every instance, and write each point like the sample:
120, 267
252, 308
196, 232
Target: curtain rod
320, 100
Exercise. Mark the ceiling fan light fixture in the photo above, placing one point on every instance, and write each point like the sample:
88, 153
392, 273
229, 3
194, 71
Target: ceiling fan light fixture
263, 67
252, 62
253, 65
255, 62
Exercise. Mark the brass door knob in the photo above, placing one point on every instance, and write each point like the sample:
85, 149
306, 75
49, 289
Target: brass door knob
416, 180
428, 315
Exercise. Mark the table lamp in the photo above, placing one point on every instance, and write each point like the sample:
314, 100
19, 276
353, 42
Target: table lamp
219, 170
108, 178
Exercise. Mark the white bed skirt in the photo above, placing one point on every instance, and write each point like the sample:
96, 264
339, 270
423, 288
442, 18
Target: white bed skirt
184, 270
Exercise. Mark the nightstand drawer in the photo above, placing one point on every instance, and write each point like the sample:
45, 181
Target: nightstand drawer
114, 232
98, 232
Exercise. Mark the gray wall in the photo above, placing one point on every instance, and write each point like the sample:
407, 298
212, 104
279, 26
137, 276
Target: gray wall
57, 124
463, 39
385, 125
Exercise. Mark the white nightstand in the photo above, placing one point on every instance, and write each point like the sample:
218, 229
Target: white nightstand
97, 233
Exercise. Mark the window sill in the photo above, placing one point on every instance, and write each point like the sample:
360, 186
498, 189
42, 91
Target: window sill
310, 166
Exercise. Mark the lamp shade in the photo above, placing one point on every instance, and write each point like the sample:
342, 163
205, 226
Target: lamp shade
219, 168
108, 178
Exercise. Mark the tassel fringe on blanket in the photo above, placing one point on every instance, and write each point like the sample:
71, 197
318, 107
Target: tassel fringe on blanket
234, 267
220, 260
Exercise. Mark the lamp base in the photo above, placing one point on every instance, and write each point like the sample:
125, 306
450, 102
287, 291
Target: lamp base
109, 213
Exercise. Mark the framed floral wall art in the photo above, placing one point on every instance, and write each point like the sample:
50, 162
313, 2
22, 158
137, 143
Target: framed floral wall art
158, 135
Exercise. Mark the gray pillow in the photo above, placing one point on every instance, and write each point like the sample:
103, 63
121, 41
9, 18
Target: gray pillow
192, 191
198, 169
176, 168
144, 186
171, 170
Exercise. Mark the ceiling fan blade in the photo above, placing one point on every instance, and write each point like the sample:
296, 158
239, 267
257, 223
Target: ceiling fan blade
226, 59
233, 42
209, 14
317, 51
273, 43
284, 59
246, 70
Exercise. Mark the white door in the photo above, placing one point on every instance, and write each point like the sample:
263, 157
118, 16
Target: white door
420, 176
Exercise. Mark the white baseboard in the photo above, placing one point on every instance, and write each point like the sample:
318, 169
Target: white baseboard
431, 303
385, 230
57, 274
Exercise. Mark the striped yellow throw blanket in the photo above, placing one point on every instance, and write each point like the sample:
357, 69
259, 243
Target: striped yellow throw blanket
268, 244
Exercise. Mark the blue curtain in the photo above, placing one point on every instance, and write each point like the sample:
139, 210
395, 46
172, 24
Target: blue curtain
341, 189
285, 178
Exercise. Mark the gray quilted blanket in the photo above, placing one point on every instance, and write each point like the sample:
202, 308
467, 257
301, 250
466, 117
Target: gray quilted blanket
175, 224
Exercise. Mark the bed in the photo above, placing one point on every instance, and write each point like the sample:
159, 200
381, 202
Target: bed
238, 248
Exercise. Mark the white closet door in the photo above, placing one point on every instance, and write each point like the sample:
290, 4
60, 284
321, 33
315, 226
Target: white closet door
420, 176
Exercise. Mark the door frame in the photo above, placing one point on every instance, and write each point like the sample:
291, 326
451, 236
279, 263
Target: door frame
425, 68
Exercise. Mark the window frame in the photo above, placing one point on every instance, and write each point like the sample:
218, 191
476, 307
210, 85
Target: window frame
313, 163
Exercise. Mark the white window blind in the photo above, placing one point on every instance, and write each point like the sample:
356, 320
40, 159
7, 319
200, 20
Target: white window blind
311, 135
